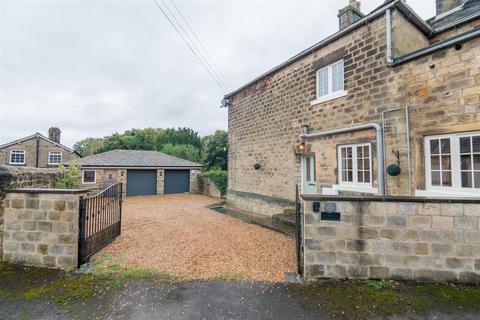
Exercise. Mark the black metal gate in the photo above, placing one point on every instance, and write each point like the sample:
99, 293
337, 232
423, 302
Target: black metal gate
298, 232
99, 221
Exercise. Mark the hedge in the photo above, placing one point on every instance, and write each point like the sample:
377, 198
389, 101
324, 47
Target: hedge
219, 177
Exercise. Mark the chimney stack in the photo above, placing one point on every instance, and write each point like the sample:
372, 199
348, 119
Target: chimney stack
54, 134
443, 6
350, 14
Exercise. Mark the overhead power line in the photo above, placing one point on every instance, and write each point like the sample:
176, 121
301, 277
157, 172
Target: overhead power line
201, 45
190, 44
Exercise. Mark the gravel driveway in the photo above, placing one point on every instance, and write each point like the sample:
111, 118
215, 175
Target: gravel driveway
178, 234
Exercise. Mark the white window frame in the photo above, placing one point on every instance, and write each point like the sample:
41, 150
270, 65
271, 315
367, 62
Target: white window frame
330, 95
94, 176
17, 163
50, 153
354, 183
456, 189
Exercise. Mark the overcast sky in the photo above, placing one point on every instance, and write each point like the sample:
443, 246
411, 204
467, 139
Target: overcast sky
97, 67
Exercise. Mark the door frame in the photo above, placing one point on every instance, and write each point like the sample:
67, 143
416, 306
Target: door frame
303, 162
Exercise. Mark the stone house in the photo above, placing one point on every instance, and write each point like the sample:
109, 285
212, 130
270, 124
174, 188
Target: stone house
37, 151
388, 90
141, 172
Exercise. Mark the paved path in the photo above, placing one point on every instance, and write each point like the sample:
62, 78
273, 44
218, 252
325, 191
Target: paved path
178, 234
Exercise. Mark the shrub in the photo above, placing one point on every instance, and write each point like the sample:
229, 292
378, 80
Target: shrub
219, 177
69, 178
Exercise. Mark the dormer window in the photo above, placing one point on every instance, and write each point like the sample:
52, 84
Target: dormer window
330, 83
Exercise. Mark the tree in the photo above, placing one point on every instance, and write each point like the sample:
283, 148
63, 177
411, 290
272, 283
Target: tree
69, 178
88, 146
214, 150
184, 136
183, 151
135, 139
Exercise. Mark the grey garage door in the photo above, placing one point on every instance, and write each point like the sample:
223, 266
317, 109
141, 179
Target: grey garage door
141, 182
177, 181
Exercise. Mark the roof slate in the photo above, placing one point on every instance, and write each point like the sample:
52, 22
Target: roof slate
470, 8
135, 158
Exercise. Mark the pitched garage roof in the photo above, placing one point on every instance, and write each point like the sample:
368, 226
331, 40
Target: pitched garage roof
135, 158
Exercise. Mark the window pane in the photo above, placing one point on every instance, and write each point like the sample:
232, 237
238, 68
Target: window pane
434, 149
447, 178
435, 160
435, 178
446, 163
366, 151
350, 176
366, 163
476, 144
309, 174
360, 164
349, 164
477, 180
349, 152
360, 176
337, 77
89, 176
466, 162
445, 145
367, 176
466, 179
323, 82
465, 145
476, 162
359, 152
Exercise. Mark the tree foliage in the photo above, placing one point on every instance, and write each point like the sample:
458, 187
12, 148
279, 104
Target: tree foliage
135, 139
88, 146
214, 150
179, 136
184, 143
219, 177
183, 151
69, 178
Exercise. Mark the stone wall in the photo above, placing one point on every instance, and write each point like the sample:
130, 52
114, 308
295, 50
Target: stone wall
23, 177
393, 238
41, 227
208, 187
194, 181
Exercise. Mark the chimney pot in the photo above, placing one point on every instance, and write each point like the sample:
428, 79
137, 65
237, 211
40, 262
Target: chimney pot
54, 134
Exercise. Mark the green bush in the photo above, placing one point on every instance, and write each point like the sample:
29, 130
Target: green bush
219, 177
69, 178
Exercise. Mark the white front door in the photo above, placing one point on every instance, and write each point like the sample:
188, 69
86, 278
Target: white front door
309, 184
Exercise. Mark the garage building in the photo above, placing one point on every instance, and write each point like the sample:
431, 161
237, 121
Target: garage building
141, 172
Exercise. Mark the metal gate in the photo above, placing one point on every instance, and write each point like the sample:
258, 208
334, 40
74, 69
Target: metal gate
99, 221
298, 232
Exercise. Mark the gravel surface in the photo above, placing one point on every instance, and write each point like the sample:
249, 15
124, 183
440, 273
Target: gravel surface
178, 234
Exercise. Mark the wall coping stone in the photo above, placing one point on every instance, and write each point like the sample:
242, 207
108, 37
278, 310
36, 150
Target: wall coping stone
49, 191
310, 197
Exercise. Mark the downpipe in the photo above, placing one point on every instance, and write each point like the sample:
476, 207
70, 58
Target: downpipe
388, 27
380, 149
